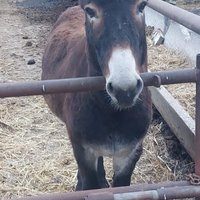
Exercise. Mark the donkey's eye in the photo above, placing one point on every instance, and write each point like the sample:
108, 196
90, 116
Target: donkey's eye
142, 6
90, 12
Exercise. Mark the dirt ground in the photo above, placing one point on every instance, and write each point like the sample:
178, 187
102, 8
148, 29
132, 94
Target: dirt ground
35, 154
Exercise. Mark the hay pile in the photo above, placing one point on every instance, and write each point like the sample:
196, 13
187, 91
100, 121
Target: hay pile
35, 154
161, 58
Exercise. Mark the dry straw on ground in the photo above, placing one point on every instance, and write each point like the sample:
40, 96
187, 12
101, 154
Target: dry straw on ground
160, 58
35, 153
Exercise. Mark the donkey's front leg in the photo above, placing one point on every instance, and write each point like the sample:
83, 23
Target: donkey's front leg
87, 168
124, 165
101, 176
101, 173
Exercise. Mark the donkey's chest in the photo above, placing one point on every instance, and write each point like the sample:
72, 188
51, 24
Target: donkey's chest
110, 139
106, 131
111, 146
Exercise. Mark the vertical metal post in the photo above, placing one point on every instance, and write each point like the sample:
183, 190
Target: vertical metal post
197, 131
197, 135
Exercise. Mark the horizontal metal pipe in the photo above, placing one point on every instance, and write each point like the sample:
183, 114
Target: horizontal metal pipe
162, 194
179, 192
150, 195
179, 15
81, 195
169, 77
51, 86
91, 83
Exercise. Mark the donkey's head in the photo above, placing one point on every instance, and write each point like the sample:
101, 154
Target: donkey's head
116, 46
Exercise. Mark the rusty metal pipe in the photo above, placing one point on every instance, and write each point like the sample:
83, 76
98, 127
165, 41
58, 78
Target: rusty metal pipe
179, 15
179, 192
169, 77
81, 195
51, 86
91, 83
197, 123
150, 195
162, 194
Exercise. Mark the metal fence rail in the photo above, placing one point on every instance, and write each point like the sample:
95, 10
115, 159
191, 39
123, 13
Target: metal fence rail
197, 122
163, 191
92, 83
179, 15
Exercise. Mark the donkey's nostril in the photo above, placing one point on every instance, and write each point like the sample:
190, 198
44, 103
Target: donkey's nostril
139, 85
110, 88
125, 95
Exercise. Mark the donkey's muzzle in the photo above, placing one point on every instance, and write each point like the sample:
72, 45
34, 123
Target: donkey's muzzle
125, 96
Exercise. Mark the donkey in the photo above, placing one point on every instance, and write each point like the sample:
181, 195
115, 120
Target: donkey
102, 38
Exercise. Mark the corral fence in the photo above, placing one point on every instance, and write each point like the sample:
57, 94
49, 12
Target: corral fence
170, 190
184, 2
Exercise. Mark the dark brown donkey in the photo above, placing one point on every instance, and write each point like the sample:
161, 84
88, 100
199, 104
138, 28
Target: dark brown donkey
102, 37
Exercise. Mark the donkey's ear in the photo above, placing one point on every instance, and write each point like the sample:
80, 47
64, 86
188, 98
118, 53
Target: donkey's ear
82, 3
79, 2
